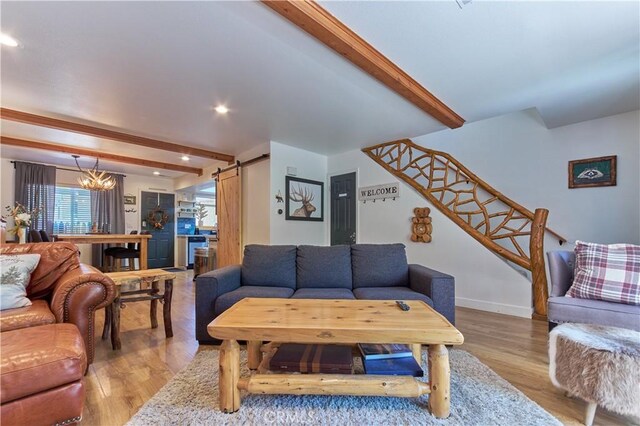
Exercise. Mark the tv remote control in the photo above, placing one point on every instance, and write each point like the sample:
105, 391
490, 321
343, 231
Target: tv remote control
403, 305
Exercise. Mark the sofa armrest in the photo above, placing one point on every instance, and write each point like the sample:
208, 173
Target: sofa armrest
76, 296
209, 287
561, 264
439, 287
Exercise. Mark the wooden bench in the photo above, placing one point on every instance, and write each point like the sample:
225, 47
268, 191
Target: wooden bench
148, 278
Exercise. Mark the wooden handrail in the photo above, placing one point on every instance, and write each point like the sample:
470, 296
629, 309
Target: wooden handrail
493, 219
538, 272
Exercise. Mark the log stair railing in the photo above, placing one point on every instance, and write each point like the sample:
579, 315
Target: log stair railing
497, 222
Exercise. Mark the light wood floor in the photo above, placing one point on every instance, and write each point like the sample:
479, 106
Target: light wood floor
119, 382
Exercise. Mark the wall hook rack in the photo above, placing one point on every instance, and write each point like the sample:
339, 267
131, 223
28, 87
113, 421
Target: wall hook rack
384, 199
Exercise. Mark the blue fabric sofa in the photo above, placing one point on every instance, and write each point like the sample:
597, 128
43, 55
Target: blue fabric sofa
360, 271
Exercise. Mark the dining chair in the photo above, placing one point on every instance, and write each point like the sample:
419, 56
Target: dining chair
109, 253
45, 236
131, 254
34, 236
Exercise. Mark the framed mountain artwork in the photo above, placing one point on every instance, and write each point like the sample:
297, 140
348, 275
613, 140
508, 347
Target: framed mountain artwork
590, 172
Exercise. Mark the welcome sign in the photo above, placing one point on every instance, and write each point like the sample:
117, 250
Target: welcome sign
377, 192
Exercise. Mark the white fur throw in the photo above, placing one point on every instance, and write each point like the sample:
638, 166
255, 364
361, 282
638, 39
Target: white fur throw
598, 364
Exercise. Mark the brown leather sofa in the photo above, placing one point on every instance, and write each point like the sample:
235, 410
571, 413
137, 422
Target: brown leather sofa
45, 348
62, 290
42, 370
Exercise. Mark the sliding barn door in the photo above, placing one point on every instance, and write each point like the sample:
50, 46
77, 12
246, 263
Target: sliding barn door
229, 194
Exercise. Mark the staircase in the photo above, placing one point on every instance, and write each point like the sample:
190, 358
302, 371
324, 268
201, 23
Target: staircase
497, 222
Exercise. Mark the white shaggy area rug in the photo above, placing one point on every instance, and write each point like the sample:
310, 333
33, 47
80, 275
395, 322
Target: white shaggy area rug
478, 397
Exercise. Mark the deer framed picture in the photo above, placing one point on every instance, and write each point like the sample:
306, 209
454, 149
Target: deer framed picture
304, 200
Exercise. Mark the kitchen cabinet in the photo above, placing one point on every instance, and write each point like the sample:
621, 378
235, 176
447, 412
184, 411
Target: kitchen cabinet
186, 248
181, 241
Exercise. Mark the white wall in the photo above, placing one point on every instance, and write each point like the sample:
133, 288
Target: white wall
526, 161
256, 181
6, 186
133, 184
517, 155
310, 166
480, 276
255, 193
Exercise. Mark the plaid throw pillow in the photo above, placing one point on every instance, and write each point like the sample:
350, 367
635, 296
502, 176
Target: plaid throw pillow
607, 272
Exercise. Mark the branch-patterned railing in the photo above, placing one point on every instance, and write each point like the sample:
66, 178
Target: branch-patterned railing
496, 221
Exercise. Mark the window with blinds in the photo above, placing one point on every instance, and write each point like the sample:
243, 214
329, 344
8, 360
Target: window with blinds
72, 211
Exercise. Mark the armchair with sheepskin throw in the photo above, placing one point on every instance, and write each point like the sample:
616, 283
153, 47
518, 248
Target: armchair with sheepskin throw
61, 289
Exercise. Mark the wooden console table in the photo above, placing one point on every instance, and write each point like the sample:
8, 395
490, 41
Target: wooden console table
142, 239
139, 279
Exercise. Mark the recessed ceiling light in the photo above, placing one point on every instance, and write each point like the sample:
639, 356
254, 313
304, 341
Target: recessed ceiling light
7, 40
156, 173
221, 109
185, 158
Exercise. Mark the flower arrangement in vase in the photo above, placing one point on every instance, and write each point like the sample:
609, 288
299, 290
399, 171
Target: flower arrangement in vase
22, 220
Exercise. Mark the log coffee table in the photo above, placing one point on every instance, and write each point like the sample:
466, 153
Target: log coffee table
333, 322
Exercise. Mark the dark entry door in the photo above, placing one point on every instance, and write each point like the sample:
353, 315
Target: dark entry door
162, 241
343, 209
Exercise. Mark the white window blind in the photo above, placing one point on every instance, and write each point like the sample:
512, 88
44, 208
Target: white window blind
72, 211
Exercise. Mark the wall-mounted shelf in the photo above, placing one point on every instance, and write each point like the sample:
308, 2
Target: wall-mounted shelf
186, 208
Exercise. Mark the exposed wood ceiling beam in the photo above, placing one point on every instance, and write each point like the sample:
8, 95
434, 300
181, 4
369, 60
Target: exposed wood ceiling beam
315, 20
99, 132
97, 154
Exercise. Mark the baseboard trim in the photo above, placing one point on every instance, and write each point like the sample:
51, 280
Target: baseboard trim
500, 308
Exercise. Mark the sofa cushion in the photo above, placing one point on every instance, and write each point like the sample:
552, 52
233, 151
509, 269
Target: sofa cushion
607, 272
227, 300
15, 274
323, 293
269, 266
55, 260
390, 293
36, 359
569, 309
38, 313
324, 267
379, 265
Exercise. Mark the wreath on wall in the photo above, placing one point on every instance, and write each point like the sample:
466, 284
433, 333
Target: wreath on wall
158, 218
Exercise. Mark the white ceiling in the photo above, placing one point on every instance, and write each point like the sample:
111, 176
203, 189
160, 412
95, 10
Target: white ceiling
573, 60
157, 68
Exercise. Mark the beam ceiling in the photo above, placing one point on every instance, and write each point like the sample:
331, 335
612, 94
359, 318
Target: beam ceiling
319, 23
97, 154
99, 132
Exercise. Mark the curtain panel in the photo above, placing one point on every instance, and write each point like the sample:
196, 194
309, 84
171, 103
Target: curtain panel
107, 211
35, 188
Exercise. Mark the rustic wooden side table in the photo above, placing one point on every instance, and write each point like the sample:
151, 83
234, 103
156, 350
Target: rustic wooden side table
139, 279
